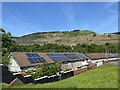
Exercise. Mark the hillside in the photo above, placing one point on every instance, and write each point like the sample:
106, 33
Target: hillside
67, 38
96, 78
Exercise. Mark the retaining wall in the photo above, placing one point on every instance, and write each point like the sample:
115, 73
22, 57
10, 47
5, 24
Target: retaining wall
81, 70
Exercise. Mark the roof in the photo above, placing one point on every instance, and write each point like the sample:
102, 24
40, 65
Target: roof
101, 55
96, 55
22, 60
16, 81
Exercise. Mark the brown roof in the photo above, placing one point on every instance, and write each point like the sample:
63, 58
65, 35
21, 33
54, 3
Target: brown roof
101, 55
16, 81
22, 60
46, 57
96, 55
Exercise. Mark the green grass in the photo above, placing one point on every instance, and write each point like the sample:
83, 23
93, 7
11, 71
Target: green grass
105, 76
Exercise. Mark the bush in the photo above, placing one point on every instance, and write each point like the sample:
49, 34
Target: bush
45, 70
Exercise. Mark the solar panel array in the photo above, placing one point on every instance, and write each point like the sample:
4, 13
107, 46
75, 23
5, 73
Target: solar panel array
83, 56
66, 56
111, 55
57, 56
35, 58
72, 56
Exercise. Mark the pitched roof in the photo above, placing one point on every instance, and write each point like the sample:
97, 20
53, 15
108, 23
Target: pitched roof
21, 59
101, 55
16, 81
96, 55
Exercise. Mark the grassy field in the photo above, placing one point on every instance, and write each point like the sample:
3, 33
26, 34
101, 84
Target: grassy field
105, 76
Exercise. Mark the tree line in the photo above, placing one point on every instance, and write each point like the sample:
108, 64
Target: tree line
82, 48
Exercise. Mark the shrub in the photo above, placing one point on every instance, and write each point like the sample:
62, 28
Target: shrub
45, 70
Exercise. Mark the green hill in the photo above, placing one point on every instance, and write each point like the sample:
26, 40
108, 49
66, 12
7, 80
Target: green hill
67, 38
105, 76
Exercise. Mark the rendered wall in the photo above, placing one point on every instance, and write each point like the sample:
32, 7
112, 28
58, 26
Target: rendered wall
13, 66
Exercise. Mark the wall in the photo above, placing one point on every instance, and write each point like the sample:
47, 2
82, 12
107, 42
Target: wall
66, 66
7, 76
77, 64
13, 66
92, 66
67, 74
81, 70
47, 79
99, 63
112, 59
54, 78
74, 65
24, 79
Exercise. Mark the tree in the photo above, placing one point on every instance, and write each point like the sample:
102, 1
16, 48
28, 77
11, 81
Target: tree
109, 35
6, 44
94, 34
107, 44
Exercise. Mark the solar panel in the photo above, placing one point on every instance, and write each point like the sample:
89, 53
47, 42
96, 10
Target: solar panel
29, 55
41, 59
72, 56
53, 58
32, 60
111, 55
36, 55
83, 56
57, 56
35, 58
33, 54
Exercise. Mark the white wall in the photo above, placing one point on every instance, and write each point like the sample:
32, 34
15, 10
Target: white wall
13, 66
112, 59
99, 63
84, 62
67, 66
74, 65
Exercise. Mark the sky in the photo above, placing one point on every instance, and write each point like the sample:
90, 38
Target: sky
21, 18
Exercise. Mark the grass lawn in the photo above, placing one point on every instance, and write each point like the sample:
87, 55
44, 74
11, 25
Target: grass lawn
105, 76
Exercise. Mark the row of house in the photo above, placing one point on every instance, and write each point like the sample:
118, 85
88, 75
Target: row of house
71, 64
23, 60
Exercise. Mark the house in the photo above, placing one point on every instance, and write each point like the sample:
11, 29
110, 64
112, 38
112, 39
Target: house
24, 60
100, 57
21, 61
